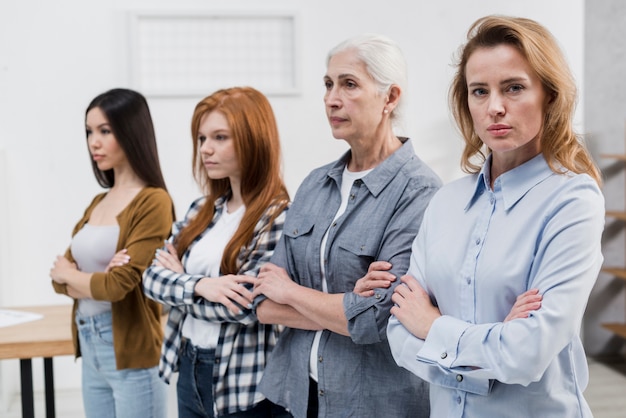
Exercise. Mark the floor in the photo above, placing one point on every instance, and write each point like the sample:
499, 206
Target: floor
605, 394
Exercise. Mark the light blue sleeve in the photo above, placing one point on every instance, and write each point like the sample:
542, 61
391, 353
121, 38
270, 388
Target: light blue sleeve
565, 268
408, 351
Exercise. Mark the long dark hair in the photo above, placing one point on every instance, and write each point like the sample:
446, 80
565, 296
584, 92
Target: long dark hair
129, 118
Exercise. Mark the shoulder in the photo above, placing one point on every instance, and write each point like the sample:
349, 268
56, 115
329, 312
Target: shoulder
566, 188
457, 193
420, 174
275, 214
319, 173
152, 201
156, 194
151, 204
407, 165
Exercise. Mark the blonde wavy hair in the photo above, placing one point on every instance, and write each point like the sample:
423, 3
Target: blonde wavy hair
561, 146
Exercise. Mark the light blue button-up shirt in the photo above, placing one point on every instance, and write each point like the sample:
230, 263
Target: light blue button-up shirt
477, 250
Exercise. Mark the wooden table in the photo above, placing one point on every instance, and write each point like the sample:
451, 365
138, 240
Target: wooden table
47, 337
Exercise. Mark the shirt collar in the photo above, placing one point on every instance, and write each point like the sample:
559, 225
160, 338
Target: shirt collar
381, 175
515, 183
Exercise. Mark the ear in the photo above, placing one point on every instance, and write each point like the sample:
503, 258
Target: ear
393, 96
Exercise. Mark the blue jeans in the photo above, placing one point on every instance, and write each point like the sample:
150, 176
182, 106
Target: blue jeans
195, 388
112, 393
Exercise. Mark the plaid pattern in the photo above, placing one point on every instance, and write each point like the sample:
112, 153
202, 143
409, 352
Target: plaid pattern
244, 344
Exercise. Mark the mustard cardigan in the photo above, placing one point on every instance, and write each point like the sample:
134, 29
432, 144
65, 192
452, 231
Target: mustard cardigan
137, 333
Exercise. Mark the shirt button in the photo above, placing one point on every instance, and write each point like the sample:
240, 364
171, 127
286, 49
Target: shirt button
321, 392
444, 355
377, 296
352, 197
458, 399
469, 281
477, 241
320, 359
295, 232
334, 224
459, 378
217, 361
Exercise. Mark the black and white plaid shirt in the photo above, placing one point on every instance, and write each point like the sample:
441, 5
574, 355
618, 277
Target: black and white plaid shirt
244, 344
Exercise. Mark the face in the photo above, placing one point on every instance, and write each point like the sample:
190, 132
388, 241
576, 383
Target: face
506, 100
354, 105
103, 146
217, 147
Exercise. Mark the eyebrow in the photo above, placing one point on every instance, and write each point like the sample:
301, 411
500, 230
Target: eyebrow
507, 81
342, 76
215, 131
99, 126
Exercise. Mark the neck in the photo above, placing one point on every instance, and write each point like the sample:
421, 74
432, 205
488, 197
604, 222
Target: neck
236, 200
500, 164
127, 179
369, 153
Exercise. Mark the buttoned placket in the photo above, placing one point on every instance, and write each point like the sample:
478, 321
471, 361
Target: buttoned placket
486, 205
332, 232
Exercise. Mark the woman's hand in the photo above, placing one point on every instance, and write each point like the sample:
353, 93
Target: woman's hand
227, 290
524, 304
119, 259
413, 307
377, 277
169, 259
274, 283
61, 268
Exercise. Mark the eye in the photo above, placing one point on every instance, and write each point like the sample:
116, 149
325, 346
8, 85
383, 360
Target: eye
328, 84
88, 132
479, 91
105, 131
221, 137
350, 84
515, 88
201, 139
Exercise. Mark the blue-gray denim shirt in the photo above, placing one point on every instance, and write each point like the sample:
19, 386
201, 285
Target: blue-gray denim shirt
357, 375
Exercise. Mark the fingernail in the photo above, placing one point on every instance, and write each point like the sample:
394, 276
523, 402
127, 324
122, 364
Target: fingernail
249, 306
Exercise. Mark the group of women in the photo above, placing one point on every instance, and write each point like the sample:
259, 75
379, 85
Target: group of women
376, 292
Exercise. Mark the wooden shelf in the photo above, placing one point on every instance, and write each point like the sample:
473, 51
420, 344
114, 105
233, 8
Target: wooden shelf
621, 215
618, 272
616, 328
621, 157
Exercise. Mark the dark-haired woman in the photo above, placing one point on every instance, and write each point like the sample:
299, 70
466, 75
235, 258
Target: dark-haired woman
116, 329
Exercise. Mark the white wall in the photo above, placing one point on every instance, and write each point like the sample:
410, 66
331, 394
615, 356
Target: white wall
56, 56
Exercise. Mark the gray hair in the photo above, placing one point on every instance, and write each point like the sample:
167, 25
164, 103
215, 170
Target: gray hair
383, 60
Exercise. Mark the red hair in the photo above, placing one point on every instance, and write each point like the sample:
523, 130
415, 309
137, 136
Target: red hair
257, 145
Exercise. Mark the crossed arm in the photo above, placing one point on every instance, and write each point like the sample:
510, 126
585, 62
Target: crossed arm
296, 306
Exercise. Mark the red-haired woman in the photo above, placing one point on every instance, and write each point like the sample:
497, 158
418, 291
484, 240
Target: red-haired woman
210, 262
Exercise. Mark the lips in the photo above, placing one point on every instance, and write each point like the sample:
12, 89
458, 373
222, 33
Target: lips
499, 129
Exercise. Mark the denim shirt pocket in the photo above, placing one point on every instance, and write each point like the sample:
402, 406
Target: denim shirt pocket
352, 258
297, 234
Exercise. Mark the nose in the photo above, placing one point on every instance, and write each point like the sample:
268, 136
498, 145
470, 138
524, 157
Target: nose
331, 98
93, 141
496, 105
206, 147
